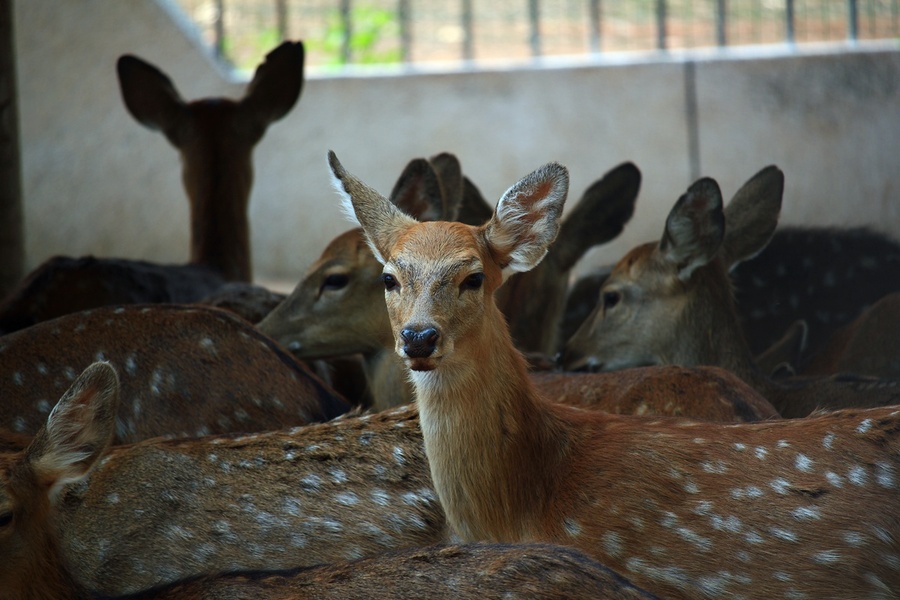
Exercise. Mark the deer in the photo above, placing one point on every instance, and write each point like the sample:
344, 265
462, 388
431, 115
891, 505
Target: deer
786, 288
803, 507
215, 138
77, 434
337, 309
671, 302
186, 371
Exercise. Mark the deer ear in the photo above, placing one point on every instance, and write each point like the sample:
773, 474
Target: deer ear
752, 216
380, 219
78, 430
150, 96
600, 215
473, 208
418, 191
449, 173
276, 85
694, 228
527, 219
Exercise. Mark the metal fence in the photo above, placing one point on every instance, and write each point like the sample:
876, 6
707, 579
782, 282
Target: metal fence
340, 32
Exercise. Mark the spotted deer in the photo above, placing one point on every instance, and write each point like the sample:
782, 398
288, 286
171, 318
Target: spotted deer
77, 433
215, 138
800, 275
804, 507
671, 302
185, 371
337, 308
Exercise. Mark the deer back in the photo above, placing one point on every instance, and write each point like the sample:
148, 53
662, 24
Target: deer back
185, 371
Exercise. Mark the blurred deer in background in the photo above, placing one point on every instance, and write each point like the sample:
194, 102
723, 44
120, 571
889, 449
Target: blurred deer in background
801, 508
215, 137
671, 302
185, 371
76, 435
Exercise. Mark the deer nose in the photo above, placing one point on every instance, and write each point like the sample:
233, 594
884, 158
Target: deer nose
419, 343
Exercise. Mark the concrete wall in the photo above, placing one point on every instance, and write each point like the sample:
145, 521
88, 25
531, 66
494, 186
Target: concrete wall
97, 182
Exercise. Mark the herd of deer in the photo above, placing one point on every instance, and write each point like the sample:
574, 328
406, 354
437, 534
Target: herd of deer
153, 444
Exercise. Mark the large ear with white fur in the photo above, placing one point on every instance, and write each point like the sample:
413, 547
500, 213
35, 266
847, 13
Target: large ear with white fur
695, 228
381, 221
752, 216
527, 219
78, 430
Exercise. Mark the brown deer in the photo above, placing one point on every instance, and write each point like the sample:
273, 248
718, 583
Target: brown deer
671, 302
337, 308
77, 433
186, 371
215, 137
800, 508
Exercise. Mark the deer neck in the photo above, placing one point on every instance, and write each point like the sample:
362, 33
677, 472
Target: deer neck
490, 440
219, 191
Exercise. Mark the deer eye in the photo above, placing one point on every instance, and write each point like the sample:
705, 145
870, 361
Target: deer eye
390, 282
472, 282
6, 518
335, 281
610, 299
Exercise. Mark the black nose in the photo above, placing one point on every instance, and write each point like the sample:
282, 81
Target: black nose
419, 343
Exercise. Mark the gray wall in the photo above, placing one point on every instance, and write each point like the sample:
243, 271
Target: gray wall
97, 182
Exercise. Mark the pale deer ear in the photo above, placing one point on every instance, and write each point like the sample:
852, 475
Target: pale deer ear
695, 228
380, 219
527, 219
418, 191
752, 216
78, 430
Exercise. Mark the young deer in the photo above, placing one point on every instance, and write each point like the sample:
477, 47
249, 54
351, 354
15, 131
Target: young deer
800, 508
186, 371
215, 137
77, 433
671, 302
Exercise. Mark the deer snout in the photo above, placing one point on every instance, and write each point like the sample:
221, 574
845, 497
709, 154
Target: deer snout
419, 342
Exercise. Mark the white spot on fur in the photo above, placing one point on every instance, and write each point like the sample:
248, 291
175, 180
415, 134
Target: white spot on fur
857, 476
780, 486
20, 425
740, 447
826, 557
828, 441
884, 475
572, 527
783, 534
803, 463
17, 378
761, 452
718, 467
347, 499
834, 479
854, 538
612, 544
806, 513
42, 406
864, 426
399, 455
783, 444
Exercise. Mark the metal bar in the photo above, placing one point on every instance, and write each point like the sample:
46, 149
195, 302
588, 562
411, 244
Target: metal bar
660, 24
852, 20
347, 28
789, 21
219, 28
594, 22
468, 37
281, 19
534, 17
403, 15
721, 10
